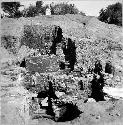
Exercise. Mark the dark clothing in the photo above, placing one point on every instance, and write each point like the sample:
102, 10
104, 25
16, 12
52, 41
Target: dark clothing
98, 68
97, 86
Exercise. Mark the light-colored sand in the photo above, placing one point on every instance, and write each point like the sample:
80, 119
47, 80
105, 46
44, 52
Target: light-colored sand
114, 92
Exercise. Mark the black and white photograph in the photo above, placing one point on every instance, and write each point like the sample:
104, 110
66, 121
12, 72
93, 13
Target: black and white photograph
61, 62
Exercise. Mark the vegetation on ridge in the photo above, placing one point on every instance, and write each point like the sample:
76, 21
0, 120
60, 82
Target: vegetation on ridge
112, 14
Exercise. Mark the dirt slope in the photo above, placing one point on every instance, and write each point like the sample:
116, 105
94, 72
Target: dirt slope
72, 25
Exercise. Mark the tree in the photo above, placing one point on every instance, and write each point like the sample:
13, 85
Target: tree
31, 11
112, 14
64, 8
11, 8
39, 4
40, 8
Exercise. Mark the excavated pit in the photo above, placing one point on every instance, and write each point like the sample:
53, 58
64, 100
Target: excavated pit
46, 39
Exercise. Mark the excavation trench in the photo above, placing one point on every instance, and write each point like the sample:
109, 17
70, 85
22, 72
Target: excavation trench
48, 41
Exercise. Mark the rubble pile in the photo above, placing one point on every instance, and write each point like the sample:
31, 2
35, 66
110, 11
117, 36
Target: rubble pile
101, 48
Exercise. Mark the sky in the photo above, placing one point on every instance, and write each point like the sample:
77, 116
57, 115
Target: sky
92, 7
89, 7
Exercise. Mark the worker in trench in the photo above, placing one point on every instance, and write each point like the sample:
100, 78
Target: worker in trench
69, 51
97, 83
